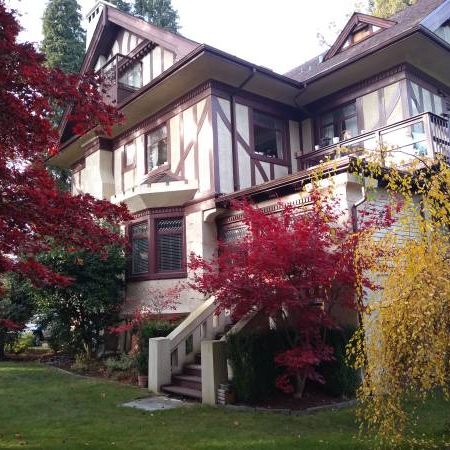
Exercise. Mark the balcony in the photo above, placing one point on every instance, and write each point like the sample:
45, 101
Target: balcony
122, 77
423, 136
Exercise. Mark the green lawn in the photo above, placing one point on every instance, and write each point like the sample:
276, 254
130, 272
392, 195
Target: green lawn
41, 408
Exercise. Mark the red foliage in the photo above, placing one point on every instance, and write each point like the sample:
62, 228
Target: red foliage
33, 212
295, 267
10, 325
157, 301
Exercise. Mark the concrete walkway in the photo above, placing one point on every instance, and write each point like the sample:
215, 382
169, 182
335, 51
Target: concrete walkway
156, 403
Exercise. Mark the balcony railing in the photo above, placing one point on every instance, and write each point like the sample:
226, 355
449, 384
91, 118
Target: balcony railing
122, 77
422, 136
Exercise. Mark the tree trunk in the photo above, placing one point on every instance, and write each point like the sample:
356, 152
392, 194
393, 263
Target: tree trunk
300, 382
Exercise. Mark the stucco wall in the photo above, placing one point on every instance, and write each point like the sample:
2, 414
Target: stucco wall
201, 239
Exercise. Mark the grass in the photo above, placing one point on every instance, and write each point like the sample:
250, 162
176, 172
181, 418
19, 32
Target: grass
41, 408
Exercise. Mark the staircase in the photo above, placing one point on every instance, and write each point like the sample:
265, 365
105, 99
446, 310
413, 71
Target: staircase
188, 384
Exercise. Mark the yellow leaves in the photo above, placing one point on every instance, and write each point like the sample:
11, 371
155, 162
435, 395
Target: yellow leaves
404, 348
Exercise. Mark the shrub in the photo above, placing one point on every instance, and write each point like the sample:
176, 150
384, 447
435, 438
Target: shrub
23, 343
123, 363
251, 356
142, 363
81, 363
152, 329
340, 379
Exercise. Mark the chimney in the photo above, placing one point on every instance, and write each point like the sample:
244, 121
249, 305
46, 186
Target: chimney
92, 17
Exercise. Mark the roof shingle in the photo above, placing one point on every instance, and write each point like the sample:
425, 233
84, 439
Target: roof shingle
406, 20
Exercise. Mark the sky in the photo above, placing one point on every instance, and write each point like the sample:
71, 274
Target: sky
277, 34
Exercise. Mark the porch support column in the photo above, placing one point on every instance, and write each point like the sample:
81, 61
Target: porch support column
159, 367
214, 369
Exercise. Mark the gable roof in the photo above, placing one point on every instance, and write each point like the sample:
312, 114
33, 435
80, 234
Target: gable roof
112, 19
353, 24
108, 25
405, 20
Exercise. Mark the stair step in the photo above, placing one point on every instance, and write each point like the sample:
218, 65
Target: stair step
193, 369
182, 391
188, 381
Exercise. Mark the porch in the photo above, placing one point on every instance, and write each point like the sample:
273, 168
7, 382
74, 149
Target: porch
423, 136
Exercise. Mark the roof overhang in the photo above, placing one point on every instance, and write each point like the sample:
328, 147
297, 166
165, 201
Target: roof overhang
203, 64
419, 47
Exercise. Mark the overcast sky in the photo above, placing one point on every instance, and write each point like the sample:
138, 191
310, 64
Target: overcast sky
278, 34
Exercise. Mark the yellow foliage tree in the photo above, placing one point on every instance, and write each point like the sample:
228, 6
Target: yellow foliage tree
386, 8
403, 346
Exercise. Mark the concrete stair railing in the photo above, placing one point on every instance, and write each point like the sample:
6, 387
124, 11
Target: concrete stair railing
168, 356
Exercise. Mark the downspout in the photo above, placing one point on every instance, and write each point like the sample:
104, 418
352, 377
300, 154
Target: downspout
234, 131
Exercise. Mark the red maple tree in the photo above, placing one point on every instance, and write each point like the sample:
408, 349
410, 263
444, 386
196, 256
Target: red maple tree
294, 267
34, 214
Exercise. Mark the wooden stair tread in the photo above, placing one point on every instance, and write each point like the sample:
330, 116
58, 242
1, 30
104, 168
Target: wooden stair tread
182, 391
185, 377
193, 366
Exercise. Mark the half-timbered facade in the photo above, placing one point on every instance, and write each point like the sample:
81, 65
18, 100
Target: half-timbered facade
202, 127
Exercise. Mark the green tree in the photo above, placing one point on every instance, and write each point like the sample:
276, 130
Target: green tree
78, 314
64, 39
386, 8
158, 12
16, 308
122, 5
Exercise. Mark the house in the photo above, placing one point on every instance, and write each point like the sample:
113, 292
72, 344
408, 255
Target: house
203, 127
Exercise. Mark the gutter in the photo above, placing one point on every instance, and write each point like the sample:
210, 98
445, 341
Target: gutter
418, 28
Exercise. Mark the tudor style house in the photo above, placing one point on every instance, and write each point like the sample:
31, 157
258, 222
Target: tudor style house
203, 127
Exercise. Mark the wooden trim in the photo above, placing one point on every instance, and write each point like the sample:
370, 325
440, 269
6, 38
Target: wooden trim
425, 80
355, 20
125, 167
235, 220
176, 107
165, 124
151, 216
364, 87
96, 143
214, 126
198, 129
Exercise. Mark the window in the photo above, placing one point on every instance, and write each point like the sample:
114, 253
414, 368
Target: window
340, 124
169, 252
157, 246
139, 248
268, 135
129, 155
133, 76
156, 148
423, 100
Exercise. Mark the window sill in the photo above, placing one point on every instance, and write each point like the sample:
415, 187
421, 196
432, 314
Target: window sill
157, 276
279, 161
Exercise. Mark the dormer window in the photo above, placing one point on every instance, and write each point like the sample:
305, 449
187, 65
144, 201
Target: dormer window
156, 148
358, 28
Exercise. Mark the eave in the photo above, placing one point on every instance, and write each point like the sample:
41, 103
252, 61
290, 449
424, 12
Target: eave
418, 47
286, 185
203, 64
